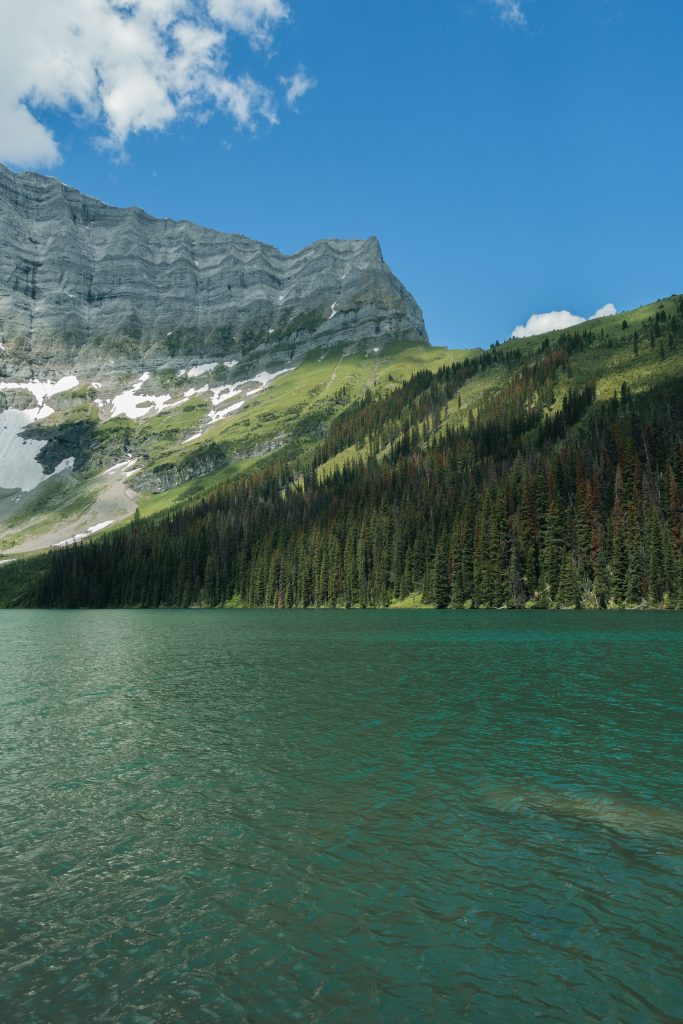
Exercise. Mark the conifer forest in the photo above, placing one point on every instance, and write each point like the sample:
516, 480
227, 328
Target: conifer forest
544, 494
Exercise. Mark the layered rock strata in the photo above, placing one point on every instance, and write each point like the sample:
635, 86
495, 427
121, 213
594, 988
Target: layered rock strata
86, 288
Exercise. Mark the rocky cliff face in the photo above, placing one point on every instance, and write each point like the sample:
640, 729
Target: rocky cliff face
86, 288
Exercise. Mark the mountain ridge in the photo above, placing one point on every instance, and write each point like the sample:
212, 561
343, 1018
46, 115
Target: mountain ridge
77, 274
131, 340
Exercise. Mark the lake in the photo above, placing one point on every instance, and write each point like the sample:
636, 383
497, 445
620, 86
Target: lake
341, 816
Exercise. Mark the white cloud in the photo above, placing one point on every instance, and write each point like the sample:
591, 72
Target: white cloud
609, 309
510, 11
297, 86
253, 18
558, 320
126, 65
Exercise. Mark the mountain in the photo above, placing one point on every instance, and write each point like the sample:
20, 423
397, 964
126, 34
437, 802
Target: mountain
544, 472
139, 355
86, 288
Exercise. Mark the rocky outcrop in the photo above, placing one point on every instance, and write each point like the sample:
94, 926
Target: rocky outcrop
87, 288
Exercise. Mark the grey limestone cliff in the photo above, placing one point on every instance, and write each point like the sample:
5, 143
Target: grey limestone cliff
89, 287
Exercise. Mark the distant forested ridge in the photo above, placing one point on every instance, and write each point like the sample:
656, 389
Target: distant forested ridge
545, 492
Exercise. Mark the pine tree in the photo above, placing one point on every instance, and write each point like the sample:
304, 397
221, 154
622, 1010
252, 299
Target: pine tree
442, 589
569, 586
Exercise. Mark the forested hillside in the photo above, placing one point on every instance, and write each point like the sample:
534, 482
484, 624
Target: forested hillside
546, 472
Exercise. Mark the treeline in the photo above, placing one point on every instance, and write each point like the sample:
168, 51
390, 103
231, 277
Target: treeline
377, 421
580, 506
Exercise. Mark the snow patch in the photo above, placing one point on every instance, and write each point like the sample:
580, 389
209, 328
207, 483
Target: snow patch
132, 404
220, 414
19, 466
100, 526
42, 389
126, 464
334, 311
223, 393
203, 368
265, 378
226, 391
88, 533
199, 371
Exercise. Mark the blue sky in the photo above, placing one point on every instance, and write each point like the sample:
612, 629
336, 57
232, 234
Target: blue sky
512, 157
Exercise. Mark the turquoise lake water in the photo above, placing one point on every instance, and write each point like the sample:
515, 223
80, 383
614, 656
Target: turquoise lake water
379, 816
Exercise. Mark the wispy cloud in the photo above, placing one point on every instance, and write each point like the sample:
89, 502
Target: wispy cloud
296, 86
557, 320
510, 11
128, 67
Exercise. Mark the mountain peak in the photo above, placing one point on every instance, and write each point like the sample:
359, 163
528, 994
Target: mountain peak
80, 281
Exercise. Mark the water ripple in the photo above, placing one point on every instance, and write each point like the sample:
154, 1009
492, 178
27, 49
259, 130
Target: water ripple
341, 817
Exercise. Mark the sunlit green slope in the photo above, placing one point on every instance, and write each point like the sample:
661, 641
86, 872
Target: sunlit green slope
544, 472
160, 460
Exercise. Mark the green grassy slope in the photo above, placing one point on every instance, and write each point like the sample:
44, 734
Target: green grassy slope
294, 411
611, 358
289, 415
537, 404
